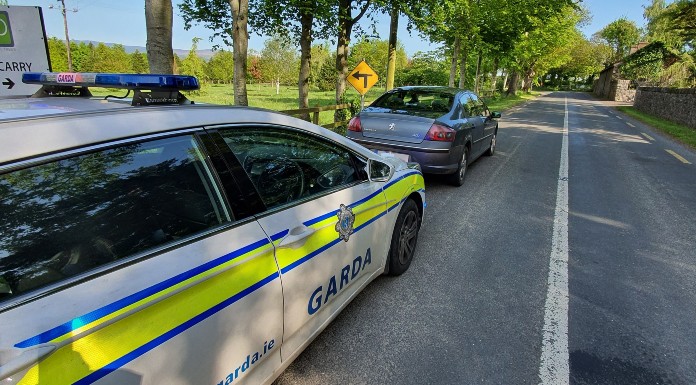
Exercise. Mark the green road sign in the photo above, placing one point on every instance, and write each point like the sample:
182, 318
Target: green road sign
5, 30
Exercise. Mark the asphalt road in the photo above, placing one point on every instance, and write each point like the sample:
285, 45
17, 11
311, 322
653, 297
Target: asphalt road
472, 307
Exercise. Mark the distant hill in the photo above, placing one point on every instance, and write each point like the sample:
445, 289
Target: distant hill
203, 53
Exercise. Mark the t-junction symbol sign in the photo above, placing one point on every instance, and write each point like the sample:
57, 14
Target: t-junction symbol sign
362, 78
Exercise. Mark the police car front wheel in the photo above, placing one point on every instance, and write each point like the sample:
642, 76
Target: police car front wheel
404, 239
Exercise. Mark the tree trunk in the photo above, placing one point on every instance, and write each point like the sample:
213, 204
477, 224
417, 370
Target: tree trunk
306, 20
391, 58
455, 57
345, 26
341, 66
344, 29
512, 89
462, 66
478, 72
158, 23
528, 79
494, 76
505, 80
240, 45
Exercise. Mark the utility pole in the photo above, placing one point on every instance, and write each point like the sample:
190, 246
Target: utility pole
63, 10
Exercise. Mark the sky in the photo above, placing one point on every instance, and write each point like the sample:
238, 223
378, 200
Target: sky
123, 22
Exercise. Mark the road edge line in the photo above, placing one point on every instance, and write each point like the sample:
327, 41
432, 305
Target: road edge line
554, 367
679, 157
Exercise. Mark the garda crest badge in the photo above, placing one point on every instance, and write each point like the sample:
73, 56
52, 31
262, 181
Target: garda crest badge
346, 218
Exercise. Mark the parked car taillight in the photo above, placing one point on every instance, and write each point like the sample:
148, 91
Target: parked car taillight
440, 133
354, 124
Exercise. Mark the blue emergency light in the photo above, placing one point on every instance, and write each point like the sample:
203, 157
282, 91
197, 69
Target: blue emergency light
151, 82
148, 89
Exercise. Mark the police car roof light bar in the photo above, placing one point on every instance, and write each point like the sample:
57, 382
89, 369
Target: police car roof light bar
149, 89
152, 82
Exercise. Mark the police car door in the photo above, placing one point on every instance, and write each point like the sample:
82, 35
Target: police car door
324, 217
132, 270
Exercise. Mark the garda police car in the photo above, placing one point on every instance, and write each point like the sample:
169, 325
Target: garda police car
179, 243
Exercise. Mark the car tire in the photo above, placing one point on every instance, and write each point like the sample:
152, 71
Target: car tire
491, 149
457, 179
404, 239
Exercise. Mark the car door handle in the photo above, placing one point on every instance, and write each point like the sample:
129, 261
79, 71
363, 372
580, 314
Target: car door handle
23, 360
296, 236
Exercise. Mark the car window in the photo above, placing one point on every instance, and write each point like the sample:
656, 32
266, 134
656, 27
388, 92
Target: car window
471, 105
417, 100
286, 165
66, 217
478, 108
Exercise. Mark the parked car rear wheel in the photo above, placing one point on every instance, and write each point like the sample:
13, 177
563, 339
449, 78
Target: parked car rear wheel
457, 179
491, 149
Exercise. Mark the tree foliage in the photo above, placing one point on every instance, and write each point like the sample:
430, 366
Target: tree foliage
192, 64
621, 34
278, 61
375, 53
426, 68
681, 17
220, 67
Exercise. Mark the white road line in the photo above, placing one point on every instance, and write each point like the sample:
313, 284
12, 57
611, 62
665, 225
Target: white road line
630, 125
554, 368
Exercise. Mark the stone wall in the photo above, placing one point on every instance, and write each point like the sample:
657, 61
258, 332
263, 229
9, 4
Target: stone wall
603, 84
620, 92
609, 87
675, 104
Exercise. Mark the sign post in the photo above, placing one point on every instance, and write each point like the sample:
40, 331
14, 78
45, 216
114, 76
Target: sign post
23, 48
362, 78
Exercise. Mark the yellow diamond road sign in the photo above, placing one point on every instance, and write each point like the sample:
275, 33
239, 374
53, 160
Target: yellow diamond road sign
363, 77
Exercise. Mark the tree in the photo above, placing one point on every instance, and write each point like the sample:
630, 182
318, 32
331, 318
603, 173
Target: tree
681, 16
587, 58
229, 20
621, 34
547, 46
321, 54
376, 54
660, 28
325, 77
346, 22
391, 49
277, 60
58, 55
254, 66
426, 68
449, 22
315, 19
82, 56
220, 67
516, 25
158, 22
192, 64
139, 64
111, 59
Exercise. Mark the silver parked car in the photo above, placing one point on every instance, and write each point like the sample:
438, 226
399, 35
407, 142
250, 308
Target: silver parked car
443, 129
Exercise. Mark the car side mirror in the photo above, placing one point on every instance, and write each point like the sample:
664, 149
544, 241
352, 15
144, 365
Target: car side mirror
379, 171
495, 115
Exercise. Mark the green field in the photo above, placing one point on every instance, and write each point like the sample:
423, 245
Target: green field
264, 96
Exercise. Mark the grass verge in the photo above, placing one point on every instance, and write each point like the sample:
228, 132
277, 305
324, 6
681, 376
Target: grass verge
502, 103
680, 132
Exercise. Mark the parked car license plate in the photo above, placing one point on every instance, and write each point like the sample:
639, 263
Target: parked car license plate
404, 157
